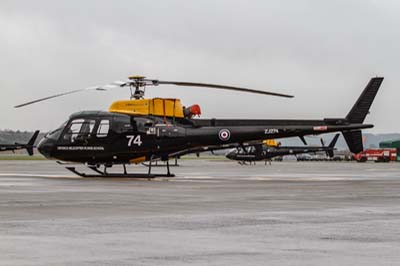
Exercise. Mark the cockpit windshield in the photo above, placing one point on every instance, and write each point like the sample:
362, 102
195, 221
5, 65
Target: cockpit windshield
55, 134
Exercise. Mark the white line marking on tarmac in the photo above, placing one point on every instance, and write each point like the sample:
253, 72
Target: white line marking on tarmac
35, 175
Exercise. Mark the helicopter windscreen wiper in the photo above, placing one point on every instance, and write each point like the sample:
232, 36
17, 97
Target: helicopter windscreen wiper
137, 84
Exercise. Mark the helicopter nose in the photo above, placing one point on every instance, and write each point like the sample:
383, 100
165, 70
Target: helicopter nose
45, 147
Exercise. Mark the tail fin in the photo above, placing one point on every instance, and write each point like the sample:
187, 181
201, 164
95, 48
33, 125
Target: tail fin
334, 140
31, 143
360, 109
331, 146
29, 150
33, 138
354, 140
358, 113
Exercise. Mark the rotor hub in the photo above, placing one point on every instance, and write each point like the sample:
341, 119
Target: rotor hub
137, 82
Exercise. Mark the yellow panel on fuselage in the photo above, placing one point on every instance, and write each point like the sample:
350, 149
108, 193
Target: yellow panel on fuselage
156, 106
138, 160
270, 143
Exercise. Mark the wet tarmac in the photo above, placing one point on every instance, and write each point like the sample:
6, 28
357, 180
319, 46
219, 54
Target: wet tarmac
212, 213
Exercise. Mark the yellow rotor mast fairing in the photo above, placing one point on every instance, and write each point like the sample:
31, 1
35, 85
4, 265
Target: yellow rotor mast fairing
137, 105
157, 107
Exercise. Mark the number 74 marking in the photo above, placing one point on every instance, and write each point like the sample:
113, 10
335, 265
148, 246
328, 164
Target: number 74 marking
135, 140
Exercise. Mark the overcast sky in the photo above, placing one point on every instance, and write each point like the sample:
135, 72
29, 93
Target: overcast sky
323, 52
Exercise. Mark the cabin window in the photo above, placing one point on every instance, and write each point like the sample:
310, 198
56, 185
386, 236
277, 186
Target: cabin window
103, 129
79, 129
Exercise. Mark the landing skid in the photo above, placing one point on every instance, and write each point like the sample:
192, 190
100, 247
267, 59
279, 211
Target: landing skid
125, 174
115, 175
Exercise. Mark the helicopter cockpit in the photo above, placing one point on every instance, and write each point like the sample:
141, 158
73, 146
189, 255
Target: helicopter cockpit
80, 126
82, 129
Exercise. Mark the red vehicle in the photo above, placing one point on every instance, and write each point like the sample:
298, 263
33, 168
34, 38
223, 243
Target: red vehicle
377, 155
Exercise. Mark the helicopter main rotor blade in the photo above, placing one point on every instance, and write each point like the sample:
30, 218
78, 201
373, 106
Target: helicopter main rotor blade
222, 87
59, 95
141, 82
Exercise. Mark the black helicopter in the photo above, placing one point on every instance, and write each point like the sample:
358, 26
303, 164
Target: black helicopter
265, 152
138, 130
19, 146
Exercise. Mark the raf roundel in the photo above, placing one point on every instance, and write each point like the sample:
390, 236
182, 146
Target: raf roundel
224, 134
